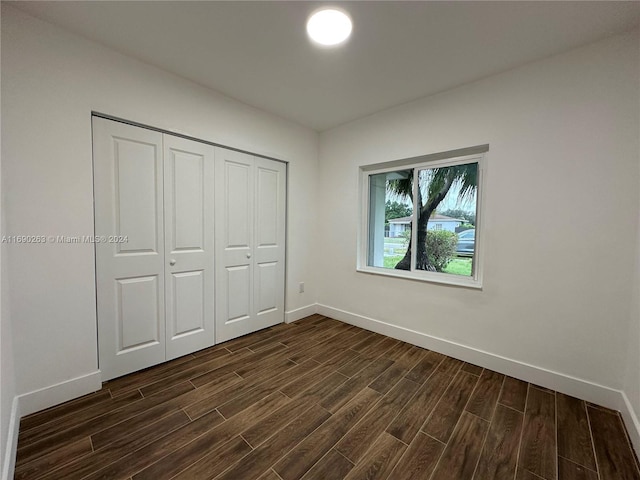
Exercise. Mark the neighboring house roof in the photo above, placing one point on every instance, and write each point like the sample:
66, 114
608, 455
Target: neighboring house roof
436, 217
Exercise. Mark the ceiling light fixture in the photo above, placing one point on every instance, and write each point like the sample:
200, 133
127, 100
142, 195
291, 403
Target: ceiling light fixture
329, 27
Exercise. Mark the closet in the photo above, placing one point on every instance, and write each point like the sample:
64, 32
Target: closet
189, 245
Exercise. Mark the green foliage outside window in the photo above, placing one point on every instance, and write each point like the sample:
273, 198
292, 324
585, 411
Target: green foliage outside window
441, 248
396, 210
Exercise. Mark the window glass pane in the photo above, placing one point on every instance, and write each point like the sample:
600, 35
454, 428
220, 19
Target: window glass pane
390, 208
447, 199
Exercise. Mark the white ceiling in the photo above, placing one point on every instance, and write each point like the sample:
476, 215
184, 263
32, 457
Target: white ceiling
258, 52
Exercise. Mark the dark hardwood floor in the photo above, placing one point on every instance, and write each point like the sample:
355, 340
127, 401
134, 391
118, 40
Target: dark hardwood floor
323, 400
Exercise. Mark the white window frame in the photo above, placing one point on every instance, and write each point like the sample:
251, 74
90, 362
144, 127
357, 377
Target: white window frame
421, 163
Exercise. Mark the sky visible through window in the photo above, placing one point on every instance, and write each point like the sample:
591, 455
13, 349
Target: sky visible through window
450, 202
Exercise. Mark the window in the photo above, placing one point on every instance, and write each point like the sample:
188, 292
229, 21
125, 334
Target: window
437, 240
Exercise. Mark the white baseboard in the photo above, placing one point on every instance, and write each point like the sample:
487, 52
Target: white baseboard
577, 387
631, 421
60, 392
9, 460
37, 400
298, 313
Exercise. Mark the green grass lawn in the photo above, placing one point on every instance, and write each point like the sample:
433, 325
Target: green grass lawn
457, 266
391, 262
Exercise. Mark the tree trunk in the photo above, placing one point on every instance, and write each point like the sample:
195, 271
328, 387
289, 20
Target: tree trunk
422, 259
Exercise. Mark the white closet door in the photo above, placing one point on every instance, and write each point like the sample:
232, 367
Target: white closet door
234, 244
269, 241
189, 274
250, 225
128, 184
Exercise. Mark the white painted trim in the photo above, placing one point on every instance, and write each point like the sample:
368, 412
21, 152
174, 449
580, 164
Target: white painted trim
9, 461
631, 421
577, 387
298, 313
432, 277
37, 400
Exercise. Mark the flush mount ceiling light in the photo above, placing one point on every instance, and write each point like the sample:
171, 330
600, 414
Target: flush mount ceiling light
329, 27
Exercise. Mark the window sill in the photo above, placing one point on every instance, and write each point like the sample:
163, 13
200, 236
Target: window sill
431, 277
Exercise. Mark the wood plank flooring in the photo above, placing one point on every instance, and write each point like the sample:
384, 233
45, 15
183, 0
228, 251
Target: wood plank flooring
322, 400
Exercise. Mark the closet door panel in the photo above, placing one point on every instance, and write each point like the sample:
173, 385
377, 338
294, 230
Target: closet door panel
267, 191
135, 196
238, 289
138, 313
234, 243
237, 208
270, 241
188, 210
188, 293
267, 291
187, 191
128, 183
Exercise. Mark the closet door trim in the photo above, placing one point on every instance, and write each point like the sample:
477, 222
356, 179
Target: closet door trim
95, 114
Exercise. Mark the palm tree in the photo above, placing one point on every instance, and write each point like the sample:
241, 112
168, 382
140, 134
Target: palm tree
433, 186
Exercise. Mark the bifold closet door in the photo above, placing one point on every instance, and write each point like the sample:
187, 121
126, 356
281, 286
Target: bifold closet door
154, 192
130, 274
188, 220
250, 208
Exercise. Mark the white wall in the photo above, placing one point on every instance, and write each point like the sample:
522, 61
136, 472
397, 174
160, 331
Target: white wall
632, 379
561, 212
51, 81
7, 379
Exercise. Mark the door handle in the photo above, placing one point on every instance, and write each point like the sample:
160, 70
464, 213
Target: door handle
172, 262
248, 255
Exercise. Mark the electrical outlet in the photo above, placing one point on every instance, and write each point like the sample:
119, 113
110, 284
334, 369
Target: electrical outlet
301, 287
